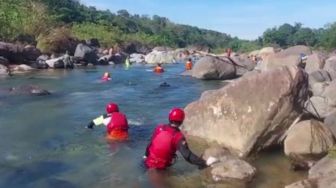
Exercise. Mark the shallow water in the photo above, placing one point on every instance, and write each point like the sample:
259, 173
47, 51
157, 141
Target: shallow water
44, 142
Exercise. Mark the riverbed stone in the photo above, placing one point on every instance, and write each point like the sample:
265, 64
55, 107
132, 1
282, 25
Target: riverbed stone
21, 68
250, 113
28, 90
214, 68
308, 141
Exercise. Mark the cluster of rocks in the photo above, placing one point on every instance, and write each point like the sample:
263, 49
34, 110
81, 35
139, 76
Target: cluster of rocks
275, 103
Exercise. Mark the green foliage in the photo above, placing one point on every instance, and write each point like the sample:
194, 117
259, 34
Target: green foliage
328, 37
107, 35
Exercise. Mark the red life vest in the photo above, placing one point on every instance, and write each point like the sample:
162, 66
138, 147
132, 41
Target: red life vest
158, 69
188, 65
117, 129
163, 147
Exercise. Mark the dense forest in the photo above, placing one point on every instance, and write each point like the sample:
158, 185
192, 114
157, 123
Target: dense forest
42, 22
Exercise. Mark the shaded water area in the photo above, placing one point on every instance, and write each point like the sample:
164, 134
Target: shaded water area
44, 142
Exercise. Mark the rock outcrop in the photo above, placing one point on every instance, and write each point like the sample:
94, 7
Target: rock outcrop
251, 113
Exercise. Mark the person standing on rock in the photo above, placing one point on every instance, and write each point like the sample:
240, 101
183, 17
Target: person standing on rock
228, 52
166, 140
115, 122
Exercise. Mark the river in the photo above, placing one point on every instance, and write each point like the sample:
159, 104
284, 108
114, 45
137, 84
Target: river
44, 142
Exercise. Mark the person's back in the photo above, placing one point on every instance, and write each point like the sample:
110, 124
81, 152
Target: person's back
166, 140
158, 69
163, 147
117, 129
115, 122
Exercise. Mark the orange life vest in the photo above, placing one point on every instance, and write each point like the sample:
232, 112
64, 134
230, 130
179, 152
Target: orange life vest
158, 69
188, 65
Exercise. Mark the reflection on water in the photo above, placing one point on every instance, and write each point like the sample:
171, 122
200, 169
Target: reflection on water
44, 142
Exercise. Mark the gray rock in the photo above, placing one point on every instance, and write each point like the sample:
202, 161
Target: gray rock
318, 88
319, 76
318, 106
3, 71
19, 54
137, 58
28, 90
213, 68
86, 53
3, 61
330, 66
330, 94
314, 62
21, 69
330, 122
250, 113
308, 141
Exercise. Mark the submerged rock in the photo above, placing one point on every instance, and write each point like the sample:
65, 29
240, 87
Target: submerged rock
251, 113
213, 68
308, 141
229, 168
28, 90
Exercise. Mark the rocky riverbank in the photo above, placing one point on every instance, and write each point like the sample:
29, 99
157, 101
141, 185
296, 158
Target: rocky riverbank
286, 101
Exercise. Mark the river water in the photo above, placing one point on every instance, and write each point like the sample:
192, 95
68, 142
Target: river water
44, 142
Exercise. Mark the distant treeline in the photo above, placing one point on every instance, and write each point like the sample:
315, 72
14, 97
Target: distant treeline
42, 21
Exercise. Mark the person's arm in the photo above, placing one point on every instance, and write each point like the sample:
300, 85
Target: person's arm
96, 122
190, 156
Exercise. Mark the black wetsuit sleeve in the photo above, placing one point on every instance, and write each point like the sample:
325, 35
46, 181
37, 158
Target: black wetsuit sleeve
190, 156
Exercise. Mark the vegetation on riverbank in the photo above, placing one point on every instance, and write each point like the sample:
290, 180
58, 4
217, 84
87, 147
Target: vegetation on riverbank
33, 21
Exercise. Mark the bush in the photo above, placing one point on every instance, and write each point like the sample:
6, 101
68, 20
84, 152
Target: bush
59, 40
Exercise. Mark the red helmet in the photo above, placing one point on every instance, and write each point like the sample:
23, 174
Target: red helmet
112, 107
176, 114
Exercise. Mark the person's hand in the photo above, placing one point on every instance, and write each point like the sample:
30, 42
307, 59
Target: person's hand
211, 160
90, 126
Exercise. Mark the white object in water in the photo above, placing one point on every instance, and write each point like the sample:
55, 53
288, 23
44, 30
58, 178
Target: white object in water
211, 160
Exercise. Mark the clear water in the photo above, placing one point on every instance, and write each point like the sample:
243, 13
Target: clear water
44, 142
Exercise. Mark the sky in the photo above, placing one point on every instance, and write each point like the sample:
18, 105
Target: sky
246, 19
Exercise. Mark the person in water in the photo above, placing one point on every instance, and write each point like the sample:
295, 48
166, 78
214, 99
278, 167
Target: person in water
189, 64
127, 63
158, 68
166, 140
115, 122
106, 76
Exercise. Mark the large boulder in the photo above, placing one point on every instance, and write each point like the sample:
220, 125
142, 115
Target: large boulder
315, 62
308, 141
243, 64
330, 66
319, 76
296, 51
213, 68
250, 113
330, 94
18, 53
330, 122
318, 107
277, 60
62, 62
86, 53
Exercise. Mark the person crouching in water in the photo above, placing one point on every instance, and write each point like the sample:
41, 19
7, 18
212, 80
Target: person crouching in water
166, 140
158, 68
188, 65
115, 122
106, 77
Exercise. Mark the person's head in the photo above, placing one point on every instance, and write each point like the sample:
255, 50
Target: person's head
159, 64
176, 117
111, 108
189, 59
106, 75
